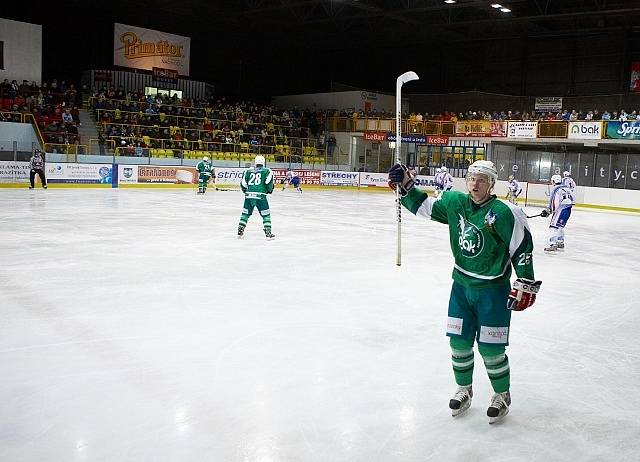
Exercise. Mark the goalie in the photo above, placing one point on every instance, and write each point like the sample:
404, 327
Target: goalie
488, 238
514, 190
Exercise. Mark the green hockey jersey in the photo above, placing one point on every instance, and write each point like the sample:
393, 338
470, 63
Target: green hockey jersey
204, 168
486, 240
256, 182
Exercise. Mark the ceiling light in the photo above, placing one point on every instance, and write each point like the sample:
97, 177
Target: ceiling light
449, 1
505, 10
496, 5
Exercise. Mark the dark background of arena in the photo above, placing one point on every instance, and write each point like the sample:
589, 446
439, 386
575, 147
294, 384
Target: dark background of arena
259, 48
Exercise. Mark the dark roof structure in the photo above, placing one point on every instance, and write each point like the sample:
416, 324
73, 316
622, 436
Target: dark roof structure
266, 47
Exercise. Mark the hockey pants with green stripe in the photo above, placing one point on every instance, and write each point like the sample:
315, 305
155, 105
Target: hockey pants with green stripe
203, 181
263, 207
479, 315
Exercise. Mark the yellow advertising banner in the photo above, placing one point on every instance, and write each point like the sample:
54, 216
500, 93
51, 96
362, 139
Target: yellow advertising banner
164, 174
147, 48
488, 128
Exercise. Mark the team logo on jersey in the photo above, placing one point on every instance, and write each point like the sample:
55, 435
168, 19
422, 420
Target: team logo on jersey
470, 239
490, 219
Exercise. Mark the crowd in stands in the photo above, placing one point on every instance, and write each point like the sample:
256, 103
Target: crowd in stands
53, 105
134, 120
135, 123
564, 115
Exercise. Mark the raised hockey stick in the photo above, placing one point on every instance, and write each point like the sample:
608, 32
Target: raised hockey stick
401, 80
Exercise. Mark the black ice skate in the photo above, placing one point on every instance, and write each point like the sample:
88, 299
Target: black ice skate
268, 234
551, 248
499, 407
30, 187
240, 231
560, 245
45, 186
461, 400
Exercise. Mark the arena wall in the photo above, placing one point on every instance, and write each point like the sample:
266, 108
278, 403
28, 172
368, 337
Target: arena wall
22, 51
63, 174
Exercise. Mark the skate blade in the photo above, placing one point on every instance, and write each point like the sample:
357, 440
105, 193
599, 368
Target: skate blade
494, 420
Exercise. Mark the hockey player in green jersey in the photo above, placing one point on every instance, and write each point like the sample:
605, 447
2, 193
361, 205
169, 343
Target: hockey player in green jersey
487, 237
205, 170
256, 183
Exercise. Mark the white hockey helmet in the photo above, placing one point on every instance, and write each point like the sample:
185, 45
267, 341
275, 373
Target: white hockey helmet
511, 177
556, 179
566, 173
443, 169
484, 167
205, 158
259, 161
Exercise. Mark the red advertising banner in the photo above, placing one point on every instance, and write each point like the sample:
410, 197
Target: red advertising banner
635, 76
375, 136
438, 140
306, 176
160, 75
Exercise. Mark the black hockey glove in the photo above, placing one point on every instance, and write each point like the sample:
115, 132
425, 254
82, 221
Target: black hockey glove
399, 177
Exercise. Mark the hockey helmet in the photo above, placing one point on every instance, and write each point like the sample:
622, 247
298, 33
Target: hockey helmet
483, 167
511, 177
259, 161
566, 173
205, 159
556, 179
443, 169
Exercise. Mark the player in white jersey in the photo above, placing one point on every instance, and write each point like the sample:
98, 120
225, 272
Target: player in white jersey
568, 181
443, 181
514, 190
291, 178
561, 200
437, 181
447, 180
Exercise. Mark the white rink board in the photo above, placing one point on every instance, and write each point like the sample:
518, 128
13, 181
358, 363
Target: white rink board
136, 327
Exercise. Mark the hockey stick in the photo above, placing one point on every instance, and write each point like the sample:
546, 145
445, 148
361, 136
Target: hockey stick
401, 80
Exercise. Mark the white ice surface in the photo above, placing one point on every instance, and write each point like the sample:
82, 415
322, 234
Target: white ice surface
135, 326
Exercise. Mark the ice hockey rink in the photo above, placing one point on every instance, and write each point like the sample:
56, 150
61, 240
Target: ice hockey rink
135, 326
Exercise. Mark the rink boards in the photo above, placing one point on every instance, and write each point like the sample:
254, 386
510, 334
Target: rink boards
72, 175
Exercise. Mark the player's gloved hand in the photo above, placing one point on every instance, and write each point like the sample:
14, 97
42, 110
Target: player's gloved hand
399, 177
545, 213
523, 294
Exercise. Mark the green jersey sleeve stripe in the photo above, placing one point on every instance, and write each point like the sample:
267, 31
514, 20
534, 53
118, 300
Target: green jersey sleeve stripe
482, 276
269, 177
414, 200
519, 226
243, 183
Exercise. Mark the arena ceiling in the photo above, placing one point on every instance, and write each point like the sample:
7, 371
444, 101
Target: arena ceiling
393, 20
286, 46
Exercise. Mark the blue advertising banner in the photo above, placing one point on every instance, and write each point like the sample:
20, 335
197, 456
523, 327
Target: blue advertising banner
58, 172
623, 130
408, 138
